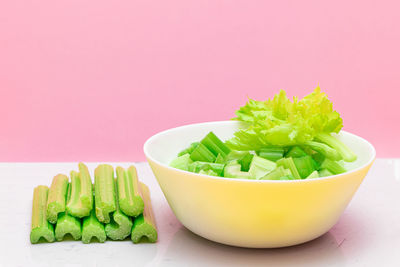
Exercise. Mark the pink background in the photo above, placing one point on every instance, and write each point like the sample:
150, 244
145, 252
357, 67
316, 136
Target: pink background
92, 80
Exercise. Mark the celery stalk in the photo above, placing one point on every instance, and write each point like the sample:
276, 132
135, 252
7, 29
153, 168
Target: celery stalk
67, 224
182, 162
246, 161
296, 152
104, 192
120, 225
324, 149
91, 227
145, 225
129, 199
57, 197
276, 174
260, 167
343, 150
324, 173
288, 163
233, 170
40, 227
314, 174
304, 165
201, 153
215, 145
333, 166
81, 201
271, 153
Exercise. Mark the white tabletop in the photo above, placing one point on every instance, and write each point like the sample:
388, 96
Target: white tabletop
368, 233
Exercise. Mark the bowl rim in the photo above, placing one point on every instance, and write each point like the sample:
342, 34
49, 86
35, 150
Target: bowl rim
337, 176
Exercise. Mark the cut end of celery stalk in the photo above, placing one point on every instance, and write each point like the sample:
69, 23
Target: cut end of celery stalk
104, 192
92, 228
260, 167
314, 174
182, 162
120, 226
145, 225
57, 197
67, 224
129, 198
40, 228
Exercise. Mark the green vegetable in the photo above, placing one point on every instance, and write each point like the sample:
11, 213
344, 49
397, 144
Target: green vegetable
220, 159
91, 227
276, 174
288, 163
145, 225
271, 153
314, 174
335, 143
304, 166
182, 162
281, 122
232, 170
324, 150
260, 167
208, 172
197, 166
324, 173
333, 166
215, 145
246, 161
201, 153
189, 149
40, 227
296, 152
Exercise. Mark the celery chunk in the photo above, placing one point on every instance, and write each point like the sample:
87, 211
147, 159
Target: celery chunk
57, 197
40, 227
81, 201
104, 192
129, 198
91, 228
144, 225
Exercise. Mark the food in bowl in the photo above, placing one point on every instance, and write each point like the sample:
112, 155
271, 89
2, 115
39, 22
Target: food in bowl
282, 140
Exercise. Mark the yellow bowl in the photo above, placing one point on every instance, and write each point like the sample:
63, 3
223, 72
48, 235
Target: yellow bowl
252, 213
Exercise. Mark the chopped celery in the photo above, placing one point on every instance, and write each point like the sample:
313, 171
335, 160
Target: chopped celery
276, 174
40, 228
246, 161
304, 165
215, 145
324, 149
343, 150
232, 170
288, 163
333, 166
236, 155
271, 153
296, 152
324, 173
189, 149
260, 167
181, 162
219, 159
314, 174
287, 177
197, 166
201, 153
318, 159
208, 172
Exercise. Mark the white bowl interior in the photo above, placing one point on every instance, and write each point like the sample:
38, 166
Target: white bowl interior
164, 146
